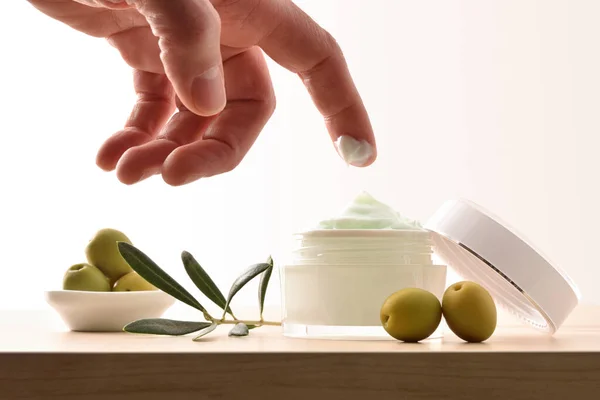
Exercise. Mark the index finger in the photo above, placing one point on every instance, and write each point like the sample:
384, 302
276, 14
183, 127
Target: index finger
299, 44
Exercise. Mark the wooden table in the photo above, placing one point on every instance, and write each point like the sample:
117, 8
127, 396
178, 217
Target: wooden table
40, 360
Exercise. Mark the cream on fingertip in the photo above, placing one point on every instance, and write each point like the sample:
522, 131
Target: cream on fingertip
354, 152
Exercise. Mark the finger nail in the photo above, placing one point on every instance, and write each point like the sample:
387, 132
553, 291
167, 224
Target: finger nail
354, 152
208, 90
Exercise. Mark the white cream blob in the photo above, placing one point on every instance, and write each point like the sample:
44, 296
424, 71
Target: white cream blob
354, 152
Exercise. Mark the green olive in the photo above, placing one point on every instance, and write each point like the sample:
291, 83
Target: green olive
411, 314
132, 282
85, 277
103, 252
470, 311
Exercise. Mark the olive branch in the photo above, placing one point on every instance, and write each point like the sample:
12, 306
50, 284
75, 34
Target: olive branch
147, 269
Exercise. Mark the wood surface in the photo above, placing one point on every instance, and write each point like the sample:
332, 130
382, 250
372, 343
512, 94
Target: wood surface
39, 359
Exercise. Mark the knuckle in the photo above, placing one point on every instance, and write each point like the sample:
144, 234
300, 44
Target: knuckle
192, 28
331, 44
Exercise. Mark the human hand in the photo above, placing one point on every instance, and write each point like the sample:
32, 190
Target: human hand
203, 86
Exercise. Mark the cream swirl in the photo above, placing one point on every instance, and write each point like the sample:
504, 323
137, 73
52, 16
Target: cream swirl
365, 212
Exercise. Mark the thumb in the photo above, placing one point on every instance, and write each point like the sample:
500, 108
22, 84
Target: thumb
189, 33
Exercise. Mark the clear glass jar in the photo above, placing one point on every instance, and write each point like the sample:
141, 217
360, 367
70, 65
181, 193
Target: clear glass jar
335, 281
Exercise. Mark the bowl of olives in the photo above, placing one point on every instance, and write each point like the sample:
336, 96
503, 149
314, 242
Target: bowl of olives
104, 294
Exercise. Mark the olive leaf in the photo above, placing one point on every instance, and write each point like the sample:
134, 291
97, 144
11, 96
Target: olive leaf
262, 286
203, 281
143, 265
244, 278
206, 331
161, 326
239, 329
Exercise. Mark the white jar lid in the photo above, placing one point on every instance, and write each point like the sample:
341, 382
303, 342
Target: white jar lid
480, 248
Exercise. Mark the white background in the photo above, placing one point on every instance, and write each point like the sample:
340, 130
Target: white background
496, 101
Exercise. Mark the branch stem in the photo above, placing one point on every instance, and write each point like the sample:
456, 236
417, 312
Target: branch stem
255, 323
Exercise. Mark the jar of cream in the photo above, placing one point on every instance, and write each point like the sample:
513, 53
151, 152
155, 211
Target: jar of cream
340, 273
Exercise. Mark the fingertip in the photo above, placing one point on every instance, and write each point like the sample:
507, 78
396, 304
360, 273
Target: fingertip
354, 151
115, 147
141, 162
110, 152
208, 92
125, 173
105, 164
177, 181
181, 168
126, 180
131, 176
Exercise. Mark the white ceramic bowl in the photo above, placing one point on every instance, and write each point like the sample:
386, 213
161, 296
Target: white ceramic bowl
106, 311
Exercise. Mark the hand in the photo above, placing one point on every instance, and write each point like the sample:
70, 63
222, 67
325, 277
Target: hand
185, 53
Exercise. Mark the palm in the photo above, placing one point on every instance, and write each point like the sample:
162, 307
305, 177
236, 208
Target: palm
192, 146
